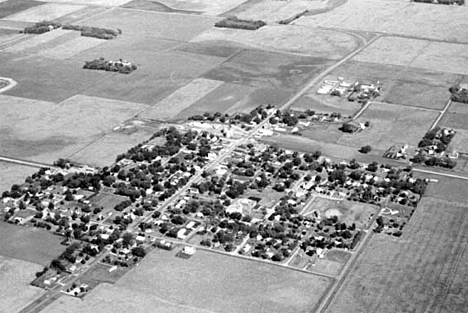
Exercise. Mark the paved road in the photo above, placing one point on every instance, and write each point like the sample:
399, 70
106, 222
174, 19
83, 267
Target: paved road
26, 162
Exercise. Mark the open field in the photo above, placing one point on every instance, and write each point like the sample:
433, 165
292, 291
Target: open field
460, 141
181, 99
437, 56
11, 7
34, 245
15, 289
347, 211
390, 124
208, 7
332, 264
207, 282
396, 17
294, 39
447, 188
46, 131
425, 270
13, 174
152, 24
46, 11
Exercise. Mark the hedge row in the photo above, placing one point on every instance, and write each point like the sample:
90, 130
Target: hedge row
234, 22
41, 27
46, 26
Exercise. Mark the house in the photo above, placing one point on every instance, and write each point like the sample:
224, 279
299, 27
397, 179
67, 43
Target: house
189, 250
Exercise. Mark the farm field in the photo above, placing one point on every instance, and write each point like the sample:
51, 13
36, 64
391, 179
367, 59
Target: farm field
181, 99
456, 117
447, 188
436, 56
11, 7
15, 289
424, 270
395, 17
268, 69
390, 124
33, 245
46, 11
13, 174
208, 7
108, 3
47, 79
150, 24
45, 131
318, 43
206, 282
37, 41
347, 211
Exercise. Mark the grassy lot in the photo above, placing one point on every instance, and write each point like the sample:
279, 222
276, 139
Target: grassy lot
100, 274
13, 174
29, 244
104, 151
395, 17
447, 188
319, 43
425, 270
390, 124
11, 7
347, 211
207, 282
332, 264
15, 289
46, 131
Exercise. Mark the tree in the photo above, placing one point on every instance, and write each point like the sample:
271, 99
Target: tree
127, 239
365, 149
139, 252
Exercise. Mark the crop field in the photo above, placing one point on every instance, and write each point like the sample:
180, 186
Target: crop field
208, 7
15, 289
47, 79
71, 48
107, 3
447, 188
29, 244
319, 43
444, 22
46, 131
390, 124
159, 74
181, 99
456, 117
216, 48
268, 69
11, 7
13, 174
207, 282
37, 40
272, 11
149, 24
233, 98
46, 11
436, 56
347, 211
422, 271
